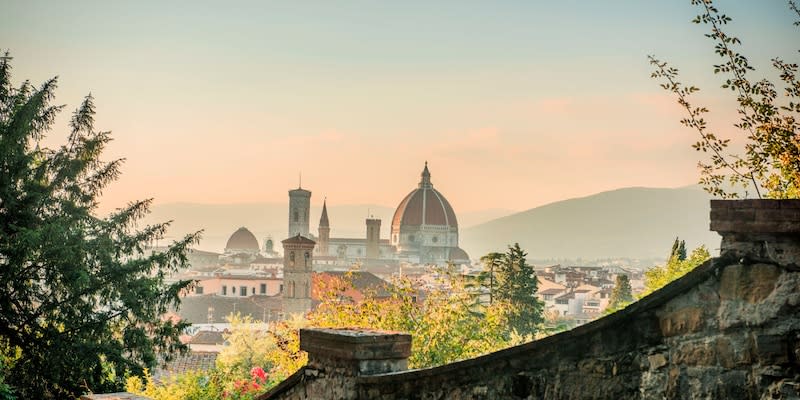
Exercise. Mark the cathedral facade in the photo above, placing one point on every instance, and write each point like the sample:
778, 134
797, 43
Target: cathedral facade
424, 230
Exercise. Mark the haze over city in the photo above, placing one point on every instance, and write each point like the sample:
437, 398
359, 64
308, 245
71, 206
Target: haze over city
513, 106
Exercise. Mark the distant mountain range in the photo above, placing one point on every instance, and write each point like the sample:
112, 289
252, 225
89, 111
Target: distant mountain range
631, 222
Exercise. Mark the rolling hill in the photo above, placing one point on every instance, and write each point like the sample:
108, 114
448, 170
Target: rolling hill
631, 222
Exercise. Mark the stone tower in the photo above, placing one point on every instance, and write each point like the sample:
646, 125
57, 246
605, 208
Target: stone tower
373, 238
299, 205
297, 259
324, 231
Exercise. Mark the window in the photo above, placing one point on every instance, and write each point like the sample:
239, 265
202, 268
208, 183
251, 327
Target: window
280, 288
435, 239
263, 288
291, 259
253, 290
410, 238
307, 257
198, 290
224, 290
243, 291
296, 215
233, 289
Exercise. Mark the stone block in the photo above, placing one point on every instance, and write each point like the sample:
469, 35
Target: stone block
750, 283
657, 360
772, 349
681, 321
695, 354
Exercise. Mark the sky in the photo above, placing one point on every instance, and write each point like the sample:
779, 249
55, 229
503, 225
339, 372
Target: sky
513, 104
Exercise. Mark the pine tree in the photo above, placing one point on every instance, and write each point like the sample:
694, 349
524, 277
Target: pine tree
486, 278
622, 294
516, 290
81, 297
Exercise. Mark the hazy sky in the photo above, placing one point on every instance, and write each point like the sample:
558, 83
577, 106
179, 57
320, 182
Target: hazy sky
513, 104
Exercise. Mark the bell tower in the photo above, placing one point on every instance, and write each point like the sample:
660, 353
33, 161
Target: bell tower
299, 205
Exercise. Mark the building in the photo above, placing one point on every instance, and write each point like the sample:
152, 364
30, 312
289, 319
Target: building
424, 230
297, 261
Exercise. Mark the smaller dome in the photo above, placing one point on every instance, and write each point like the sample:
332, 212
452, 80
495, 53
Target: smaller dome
242, 239
458, 254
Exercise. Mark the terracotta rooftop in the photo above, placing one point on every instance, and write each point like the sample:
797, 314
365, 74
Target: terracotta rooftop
195, 309
207, 337
191, 361
298, 239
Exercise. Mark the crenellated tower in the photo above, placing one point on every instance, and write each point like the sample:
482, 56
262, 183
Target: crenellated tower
373, 238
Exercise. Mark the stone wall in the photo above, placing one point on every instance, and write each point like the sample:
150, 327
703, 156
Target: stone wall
730, 329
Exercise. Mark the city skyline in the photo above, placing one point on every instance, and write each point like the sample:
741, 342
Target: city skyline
514, 105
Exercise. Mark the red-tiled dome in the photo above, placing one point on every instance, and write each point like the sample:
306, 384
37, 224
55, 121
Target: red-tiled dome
424, 206
242, 239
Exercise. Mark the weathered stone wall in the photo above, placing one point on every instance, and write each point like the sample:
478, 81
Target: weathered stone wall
730, 329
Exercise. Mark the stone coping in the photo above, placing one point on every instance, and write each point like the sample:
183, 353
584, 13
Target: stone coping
355, 344
353, 335
756, 216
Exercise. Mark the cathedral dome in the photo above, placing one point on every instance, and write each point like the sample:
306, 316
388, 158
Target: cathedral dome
424, 206
242, 239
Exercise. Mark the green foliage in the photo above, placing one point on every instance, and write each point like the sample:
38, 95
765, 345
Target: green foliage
247, 346
193, 385
516, 291
486, 278
199, 385
286, 358
621, 296
449, 325
239, 372
771, 158
6, 391
81, 299
658, 277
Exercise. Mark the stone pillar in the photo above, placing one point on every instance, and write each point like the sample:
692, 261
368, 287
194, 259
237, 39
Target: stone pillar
359, 351
758, 229
337, 357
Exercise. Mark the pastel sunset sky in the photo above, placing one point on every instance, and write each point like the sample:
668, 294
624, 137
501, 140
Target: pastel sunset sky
513, 104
